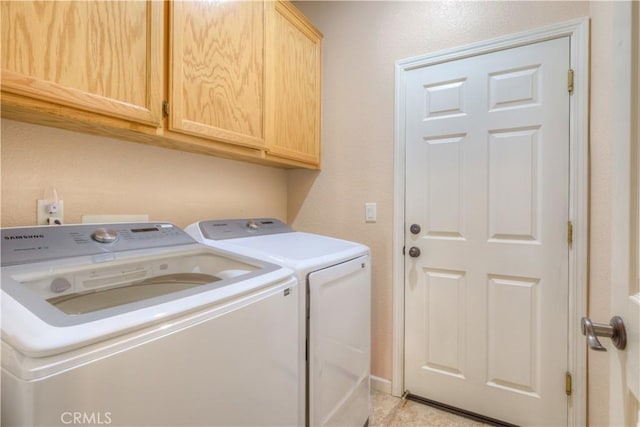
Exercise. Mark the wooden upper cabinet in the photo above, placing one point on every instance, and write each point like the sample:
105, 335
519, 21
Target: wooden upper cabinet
216, 83
241, 78
294, 67
101, 57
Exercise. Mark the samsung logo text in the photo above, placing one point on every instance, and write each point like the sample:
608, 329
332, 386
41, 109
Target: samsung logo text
24, 237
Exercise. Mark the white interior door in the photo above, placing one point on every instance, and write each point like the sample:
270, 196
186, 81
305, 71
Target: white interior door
487, 182
624, 381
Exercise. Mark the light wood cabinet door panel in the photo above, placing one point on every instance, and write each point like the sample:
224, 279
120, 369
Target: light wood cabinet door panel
217, 70
99, 56
293, 84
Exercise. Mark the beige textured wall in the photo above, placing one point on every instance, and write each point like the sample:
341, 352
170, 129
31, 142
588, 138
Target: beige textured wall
96, 175
361, 44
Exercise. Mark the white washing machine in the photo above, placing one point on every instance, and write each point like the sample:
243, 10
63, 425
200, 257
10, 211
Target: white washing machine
139, 325
335, 299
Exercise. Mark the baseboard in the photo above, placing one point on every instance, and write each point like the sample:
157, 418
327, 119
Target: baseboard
380, 384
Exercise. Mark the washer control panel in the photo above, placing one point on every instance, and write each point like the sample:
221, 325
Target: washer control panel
33, 244
236, 228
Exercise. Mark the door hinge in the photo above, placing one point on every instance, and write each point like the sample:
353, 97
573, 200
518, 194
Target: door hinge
165, 108
570, 233
568, 384
570, 81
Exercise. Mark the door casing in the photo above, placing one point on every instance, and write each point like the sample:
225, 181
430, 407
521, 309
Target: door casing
624, 372
578, 31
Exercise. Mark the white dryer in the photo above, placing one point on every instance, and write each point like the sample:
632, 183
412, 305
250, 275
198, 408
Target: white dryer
335, 299
137, 324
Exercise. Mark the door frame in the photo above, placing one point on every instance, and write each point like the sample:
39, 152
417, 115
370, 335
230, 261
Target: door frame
578, 31
625, 200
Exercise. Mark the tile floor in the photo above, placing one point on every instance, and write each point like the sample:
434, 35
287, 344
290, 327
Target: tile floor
389, 411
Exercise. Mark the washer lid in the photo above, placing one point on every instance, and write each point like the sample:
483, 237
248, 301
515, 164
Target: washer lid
55, 305
77, 290
77, 273
65, 286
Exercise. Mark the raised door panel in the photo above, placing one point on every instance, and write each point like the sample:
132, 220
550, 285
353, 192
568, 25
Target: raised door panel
293, 84
217, 70
99, 57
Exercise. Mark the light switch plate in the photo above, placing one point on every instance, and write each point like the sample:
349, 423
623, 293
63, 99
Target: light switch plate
371, 212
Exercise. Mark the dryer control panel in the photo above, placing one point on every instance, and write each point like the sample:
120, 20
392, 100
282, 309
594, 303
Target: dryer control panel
236, 228
34, 244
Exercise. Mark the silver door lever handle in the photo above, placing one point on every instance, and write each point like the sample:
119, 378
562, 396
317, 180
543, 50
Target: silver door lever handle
614, 330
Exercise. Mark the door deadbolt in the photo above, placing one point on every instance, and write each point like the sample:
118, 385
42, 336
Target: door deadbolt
414, 252
415, 229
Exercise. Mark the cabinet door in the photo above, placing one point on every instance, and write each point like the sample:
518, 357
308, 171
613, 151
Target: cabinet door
217, 70
293, 84
103, 57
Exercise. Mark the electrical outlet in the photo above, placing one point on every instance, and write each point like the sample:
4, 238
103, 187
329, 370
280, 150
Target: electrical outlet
50, 213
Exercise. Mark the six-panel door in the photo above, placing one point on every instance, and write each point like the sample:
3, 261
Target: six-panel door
487, 179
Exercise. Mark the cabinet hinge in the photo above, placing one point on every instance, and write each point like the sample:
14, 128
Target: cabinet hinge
165, 108
403, 250
570, 233
570, 81
568, 384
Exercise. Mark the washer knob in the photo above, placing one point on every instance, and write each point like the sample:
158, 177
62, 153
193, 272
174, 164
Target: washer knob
103, 235
252, 225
